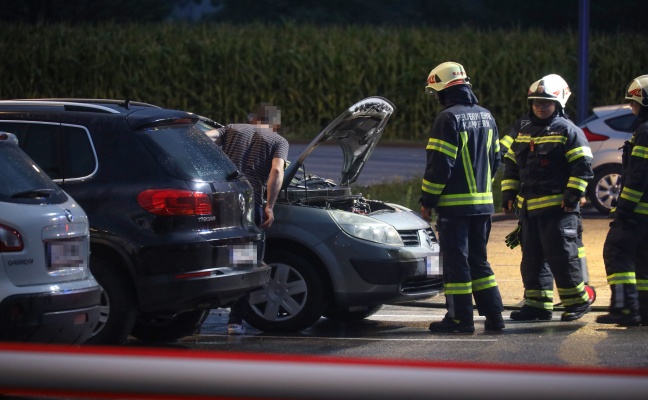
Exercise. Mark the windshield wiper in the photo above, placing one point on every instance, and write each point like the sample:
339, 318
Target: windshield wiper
34, 193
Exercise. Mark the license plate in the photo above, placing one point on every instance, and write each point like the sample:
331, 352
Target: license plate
433, 265
243, 254
66, 255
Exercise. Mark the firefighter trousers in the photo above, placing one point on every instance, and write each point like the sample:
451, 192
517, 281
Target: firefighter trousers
466, 271
553, 238
625, 254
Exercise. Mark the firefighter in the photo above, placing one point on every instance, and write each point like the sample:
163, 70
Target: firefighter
462, 156
625, 253
547, 168
512, 240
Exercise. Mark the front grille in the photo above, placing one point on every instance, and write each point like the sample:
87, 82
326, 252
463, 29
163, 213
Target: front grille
421, 285
410, 238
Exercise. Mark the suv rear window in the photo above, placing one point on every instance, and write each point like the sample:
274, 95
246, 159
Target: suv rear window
21, 181
185, 152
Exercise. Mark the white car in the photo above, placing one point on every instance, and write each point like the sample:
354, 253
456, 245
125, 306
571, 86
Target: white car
606, 130
47, 293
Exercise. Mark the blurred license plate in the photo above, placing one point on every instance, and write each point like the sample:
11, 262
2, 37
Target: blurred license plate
433, 265
245, 254
66, 254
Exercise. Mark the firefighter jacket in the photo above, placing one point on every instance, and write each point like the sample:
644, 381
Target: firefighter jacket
548, 164
633, 201
462, 157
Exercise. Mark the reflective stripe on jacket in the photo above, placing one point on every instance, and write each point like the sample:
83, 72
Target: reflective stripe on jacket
462, 157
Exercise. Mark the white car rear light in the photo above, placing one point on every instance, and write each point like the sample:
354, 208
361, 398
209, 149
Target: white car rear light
10, 240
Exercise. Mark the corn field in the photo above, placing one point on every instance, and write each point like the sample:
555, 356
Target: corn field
312, 73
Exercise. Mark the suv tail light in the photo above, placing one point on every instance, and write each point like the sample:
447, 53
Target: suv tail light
175, 202
10, 240
594, 137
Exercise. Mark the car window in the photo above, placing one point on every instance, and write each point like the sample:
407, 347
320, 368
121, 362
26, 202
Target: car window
185, 152
41, 142
21, 181
80, 160
624, 123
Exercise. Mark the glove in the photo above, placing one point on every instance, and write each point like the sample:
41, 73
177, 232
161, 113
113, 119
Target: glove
513, 238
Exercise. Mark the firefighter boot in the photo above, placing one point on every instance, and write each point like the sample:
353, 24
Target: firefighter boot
623, 317
572, 313
528, 313
449, 325
494, 322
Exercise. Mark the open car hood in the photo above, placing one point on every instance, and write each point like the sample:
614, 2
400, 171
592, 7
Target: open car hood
357, 131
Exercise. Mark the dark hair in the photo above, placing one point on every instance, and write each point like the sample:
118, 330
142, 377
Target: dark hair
266, 113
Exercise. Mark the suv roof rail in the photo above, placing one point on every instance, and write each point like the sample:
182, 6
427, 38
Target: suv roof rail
122, 103
69, 105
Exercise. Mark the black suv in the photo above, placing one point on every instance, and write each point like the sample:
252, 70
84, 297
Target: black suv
171, 221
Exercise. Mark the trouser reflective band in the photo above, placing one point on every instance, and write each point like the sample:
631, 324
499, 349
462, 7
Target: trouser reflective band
622, 278
458, 288
571, 296
542, 299
642, 285
484, 283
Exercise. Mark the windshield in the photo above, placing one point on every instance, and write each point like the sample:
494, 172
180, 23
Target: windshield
185, 152
22, 181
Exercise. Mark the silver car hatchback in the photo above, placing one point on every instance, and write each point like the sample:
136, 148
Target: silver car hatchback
47, 293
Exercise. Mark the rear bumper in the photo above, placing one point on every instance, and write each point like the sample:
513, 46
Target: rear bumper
205, 290
65, 317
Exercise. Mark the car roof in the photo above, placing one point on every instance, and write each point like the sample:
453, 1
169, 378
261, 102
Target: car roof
139, 115
604, 111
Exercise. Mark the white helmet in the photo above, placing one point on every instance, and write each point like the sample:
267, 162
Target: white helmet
445, 75
637, 90
550, 87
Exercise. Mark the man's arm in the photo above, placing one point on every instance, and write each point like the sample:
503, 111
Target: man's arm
275, 179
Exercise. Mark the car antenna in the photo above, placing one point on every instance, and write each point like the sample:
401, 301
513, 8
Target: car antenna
126, 104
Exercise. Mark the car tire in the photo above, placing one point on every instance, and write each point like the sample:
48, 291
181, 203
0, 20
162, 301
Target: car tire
605, 187
346, 315
292, 300
156, 328
117, 307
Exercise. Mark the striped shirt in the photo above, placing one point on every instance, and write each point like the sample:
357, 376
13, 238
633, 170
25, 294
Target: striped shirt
252, 149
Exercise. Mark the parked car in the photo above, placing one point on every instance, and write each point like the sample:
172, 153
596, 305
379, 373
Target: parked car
606, 130
335, 253
171, 227
47, 293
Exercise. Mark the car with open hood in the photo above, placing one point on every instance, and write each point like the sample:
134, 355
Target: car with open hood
338, 254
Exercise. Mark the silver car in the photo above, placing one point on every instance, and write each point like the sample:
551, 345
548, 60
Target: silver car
338, 254
606, 130
47, 293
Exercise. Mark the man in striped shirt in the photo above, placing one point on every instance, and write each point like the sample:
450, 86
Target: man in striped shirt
260, 153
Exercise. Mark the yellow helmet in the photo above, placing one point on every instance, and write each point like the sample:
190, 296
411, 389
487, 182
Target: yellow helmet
445, 75
550, 87
637, 90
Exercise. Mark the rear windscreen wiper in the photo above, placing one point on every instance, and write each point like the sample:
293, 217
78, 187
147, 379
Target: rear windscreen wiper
34, 193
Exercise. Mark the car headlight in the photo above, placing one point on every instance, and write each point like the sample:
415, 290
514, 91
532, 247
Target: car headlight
366, 228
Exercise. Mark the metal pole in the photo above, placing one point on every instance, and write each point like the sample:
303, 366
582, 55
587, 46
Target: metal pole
583, 60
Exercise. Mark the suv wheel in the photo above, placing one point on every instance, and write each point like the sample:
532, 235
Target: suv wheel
346, 315
118, 311
605, 187
292, 300
156, 328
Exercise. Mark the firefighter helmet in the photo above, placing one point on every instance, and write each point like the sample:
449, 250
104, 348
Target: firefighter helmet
550, 87
637, 90
445, 75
